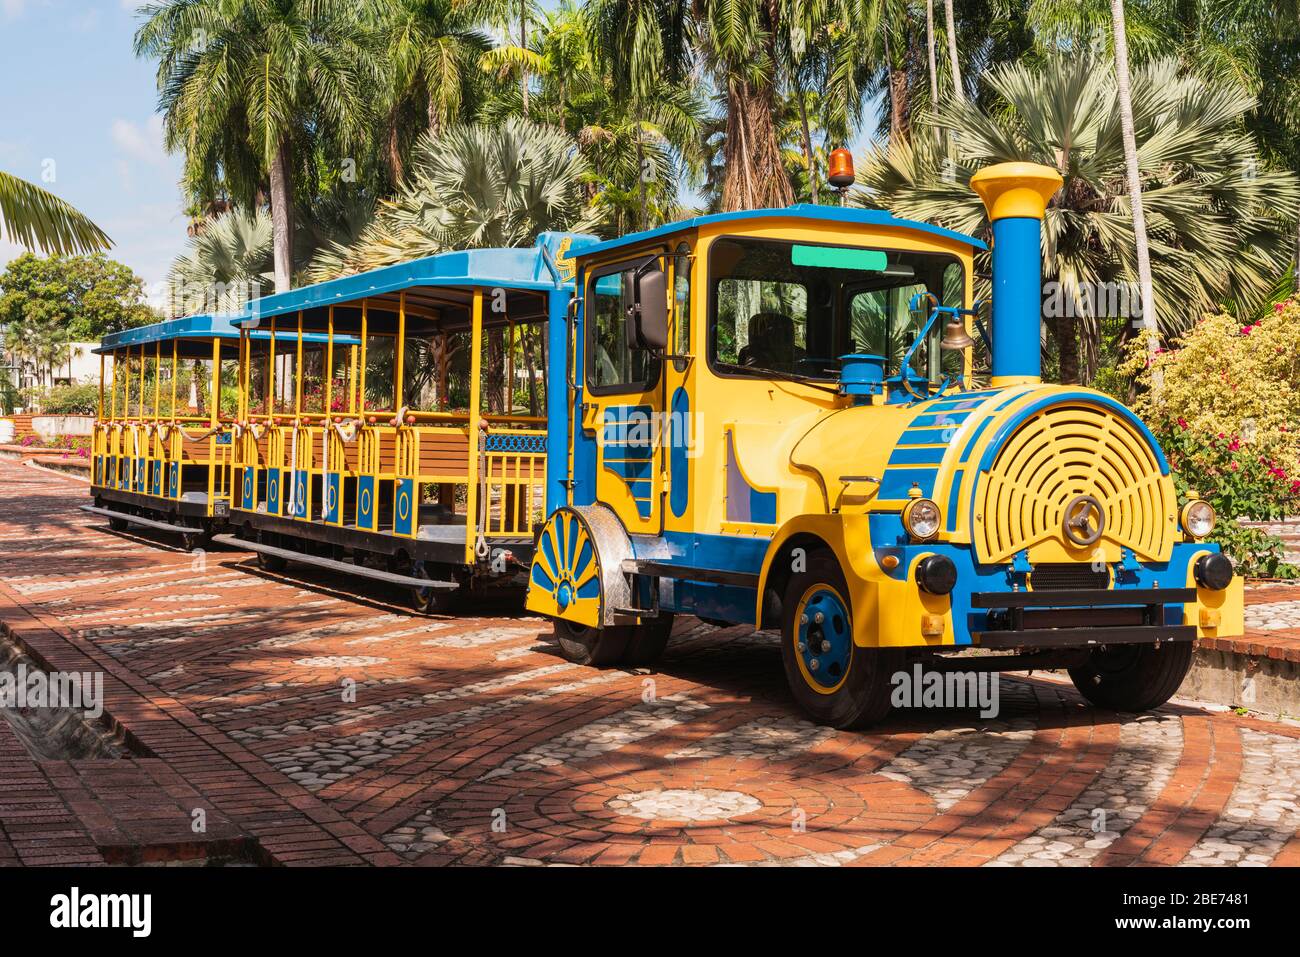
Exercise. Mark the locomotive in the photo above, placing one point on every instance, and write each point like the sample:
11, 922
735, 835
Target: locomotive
772, 421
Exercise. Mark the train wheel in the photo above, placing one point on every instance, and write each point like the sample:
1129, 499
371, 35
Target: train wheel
118, 524
646, 643
269, 563
836, 682
585, 645
1133, 677
430, 601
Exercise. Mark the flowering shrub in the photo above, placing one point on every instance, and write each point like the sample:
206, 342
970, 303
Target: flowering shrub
1227, 413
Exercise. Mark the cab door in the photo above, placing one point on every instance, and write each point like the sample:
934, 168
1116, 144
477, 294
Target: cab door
620, 412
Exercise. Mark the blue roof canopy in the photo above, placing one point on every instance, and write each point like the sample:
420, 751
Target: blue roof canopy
527, 268
186, 327
200, 327
836, 214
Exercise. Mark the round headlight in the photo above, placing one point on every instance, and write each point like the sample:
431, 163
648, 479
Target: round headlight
1213, 571
1198, 518
921, 519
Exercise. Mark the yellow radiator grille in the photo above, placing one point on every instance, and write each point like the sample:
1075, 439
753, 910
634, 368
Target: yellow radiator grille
1056, 455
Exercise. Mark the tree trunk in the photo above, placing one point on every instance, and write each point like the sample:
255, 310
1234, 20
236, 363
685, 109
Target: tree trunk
952, 50
930, 51
755, 177
1067, 344
394, 151
523, 45
282, 218
1149, 323
807, 145
434, 113
640, 175
899, 106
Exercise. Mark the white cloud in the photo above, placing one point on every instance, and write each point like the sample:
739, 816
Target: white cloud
142, 142
12, 9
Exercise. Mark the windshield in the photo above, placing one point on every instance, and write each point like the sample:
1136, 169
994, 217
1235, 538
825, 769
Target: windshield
794, 308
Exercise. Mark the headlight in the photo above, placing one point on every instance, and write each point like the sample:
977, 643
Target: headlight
921, 519
1198, 518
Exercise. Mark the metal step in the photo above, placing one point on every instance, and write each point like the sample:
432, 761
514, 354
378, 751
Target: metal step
346, 568
140, 520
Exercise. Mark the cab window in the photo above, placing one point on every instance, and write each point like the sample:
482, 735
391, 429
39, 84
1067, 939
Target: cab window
610, 365
792, 309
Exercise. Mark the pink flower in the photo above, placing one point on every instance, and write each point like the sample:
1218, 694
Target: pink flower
1182, 423
1234, 445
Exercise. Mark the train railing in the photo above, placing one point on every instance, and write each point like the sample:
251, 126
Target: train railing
398, 474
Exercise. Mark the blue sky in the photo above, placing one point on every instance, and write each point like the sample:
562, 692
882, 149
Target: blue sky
76, 104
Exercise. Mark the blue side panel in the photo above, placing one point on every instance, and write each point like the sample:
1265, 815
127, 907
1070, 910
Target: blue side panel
744, 502
404, 507
301, 482
975, 437
897, 482
627, 437
679, 477
156, 485
173, 479
557, 400
99, 470
273, 477
918, 455
953, 492
141, 476
367, 511
333, 492
248, 491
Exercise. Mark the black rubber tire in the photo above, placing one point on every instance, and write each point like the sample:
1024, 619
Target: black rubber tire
864, 696
430, 601
1133, 677
269, 563
646, 643
118, 524
598, 647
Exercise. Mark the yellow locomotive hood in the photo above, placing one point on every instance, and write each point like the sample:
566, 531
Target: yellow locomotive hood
1004, 465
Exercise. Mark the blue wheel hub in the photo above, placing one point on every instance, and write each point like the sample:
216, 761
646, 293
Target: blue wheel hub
564, 595
825, 638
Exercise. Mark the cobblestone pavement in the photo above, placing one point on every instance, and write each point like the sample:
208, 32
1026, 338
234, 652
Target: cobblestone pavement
304, 726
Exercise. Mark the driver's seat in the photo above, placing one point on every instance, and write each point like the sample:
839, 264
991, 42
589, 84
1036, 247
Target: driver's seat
771, 342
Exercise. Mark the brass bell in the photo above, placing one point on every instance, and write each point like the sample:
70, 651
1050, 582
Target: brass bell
955, 336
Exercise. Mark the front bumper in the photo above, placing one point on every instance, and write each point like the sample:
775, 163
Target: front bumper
1061, 618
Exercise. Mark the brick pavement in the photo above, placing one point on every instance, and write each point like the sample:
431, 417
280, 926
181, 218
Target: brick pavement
301, 726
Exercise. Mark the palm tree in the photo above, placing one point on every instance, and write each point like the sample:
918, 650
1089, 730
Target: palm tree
952, 51
247, 85
227, 263
35, 218
1217, 236
473, 186
432, 52
931, 60
1133, 175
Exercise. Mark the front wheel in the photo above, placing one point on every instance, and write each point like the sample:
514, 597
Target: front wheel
835, 681
585, 645
1133, 677
429, 601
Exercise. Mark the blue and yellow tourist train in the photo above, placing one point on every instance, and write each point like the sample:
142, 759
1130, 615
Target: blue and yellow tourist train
767, 417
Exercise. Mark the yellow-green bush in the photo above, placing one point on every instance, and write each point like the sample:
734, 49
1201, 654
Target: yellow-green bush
1225, 381
1224, 402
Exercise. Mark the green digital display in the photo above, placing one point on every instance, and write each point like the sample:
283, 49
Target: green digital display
839, 257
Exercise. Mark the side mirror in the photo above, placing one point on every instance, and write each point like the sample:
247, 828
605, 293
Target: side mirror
647, 318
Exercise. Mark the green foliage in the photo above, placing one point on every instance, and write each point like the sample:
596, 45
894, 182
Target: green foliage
82, 298
80, 399
35, 218
1256, 553
473, 187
